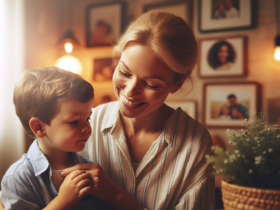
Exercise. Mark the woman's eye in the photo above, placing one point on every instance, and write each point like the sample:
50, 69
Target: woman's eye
151, 86
124, 74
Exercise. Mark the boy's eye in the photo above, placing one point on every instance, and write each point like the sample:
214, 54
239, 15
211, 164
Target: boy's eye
88, 119
74, 122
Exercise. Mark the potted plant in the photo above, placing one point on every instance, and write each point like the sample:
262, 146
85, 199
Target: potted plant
252, 168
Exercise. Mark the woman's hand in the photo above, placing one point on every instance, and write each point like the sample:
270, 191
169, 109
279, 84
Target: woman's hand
105, 189
1, 205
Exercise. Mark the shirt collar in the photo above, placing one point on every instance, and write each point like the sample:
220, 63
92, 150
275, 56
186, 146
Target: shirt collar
37, 158
171, 128
111, 117
39, 161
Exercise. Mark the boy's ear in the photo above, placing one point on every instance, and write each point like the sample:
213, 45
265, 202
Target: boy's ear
37, 126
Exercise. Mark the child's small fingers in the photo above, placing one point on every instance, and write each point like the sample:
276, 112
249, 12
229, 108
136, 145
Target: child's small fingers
78, 167
80, 177
85, 190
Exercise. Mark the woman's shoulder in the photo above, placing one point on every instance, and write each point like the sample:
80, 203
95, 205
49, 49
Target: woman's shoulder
107, 107
183, 122
103, 112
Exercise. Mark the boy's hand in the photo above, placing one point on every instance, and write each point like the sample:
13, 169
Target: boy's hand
74, 187
102, 187
105, 189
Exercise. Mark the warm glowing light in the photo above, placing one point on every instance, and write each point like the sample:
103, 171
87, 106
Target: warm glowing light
277, 53
70, 63
68, 47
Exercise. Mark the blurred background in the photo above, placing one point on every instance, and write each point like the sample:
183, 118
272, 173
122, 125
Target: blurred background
33, 33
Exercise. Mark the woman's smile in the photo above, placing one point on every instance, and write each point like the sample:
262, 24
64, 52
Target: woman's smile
131, 103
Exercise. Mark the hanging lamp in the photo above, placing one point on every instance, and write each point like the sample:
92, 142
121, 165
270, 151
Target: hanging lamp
277, 38
69, 42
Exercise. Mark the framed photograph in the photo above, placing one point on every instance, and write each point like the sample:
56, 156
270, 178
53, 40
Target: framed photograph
229, 104
273, 111
223, 57
180, 8
103, 70
104, 23
224, 15
188, 106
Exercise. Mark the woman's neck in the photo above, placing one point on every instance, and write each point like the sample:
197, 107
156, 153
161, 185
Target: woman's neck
142, 131
151, 123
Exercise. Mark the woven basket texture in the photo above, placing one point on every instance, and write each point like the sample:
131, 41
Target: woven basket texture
237, 197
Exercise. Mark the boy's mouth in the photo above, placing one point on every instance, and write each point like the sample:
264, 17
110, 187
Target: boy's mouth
82, 140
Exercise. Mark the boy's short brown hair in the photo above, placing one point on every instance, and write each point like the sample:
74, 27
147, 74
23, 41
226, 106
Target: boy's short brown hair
38, 91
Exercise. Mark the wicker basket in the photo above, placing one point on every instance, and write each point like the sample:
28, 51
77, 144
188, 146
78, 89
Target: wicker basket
240, 197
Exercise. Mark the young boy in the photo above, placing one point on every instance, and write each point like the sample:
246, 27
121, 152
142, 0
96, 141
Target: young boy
54, 107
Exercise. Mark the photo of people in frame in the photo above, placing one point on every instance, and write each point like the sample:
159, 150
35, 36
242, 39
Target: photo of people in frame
227, 105
222, 9
103, 70
223, 57
102, 34
104, 23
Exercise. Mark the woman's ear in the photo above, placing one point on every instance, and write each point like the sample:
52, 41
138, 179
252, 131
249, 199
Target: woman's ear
177, 86
37, 126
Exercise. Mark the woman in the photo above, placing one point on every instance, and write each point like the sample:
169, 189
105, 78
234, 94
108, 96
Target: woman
221, 56
148, 155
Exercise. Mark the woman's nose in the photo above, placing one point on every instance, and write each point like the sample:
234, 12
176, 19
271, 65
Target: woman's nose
132, 88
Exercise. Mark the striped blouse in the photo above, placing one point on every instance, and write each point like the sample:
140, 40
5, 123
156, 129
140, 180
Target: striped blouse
173, 173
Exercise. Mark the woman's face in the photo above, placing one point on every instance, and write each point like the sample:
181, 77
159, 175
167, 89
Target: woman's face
141, 81
223, 54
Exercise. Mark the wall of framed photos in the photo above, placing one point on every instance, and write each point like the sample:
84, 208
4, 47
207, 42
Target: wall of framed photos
46, 21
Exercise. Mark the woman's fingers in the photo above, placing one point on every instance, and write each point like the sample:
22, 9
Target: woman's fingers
78, 167
74, 174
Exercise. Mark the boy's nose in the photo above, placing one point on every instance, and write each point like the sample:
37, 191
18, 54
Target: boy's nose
87, 130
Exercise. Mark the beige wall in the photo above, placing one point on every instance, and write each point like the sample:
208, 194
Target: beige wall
46, 22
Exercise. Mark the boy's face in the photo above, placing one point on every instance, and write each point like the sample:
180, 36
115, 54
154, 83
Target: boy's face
69, 129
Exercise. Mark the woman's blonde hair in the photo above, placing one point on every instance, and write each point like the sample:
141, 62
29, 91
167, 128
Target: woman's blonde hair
169, 36
38, 91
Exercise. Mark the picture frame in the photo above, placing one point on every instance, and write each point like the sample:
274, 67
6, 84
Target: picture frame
227, 104
188, 106
103, 69
181, 8
223, 57
273, 111
104, 23
217, 15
